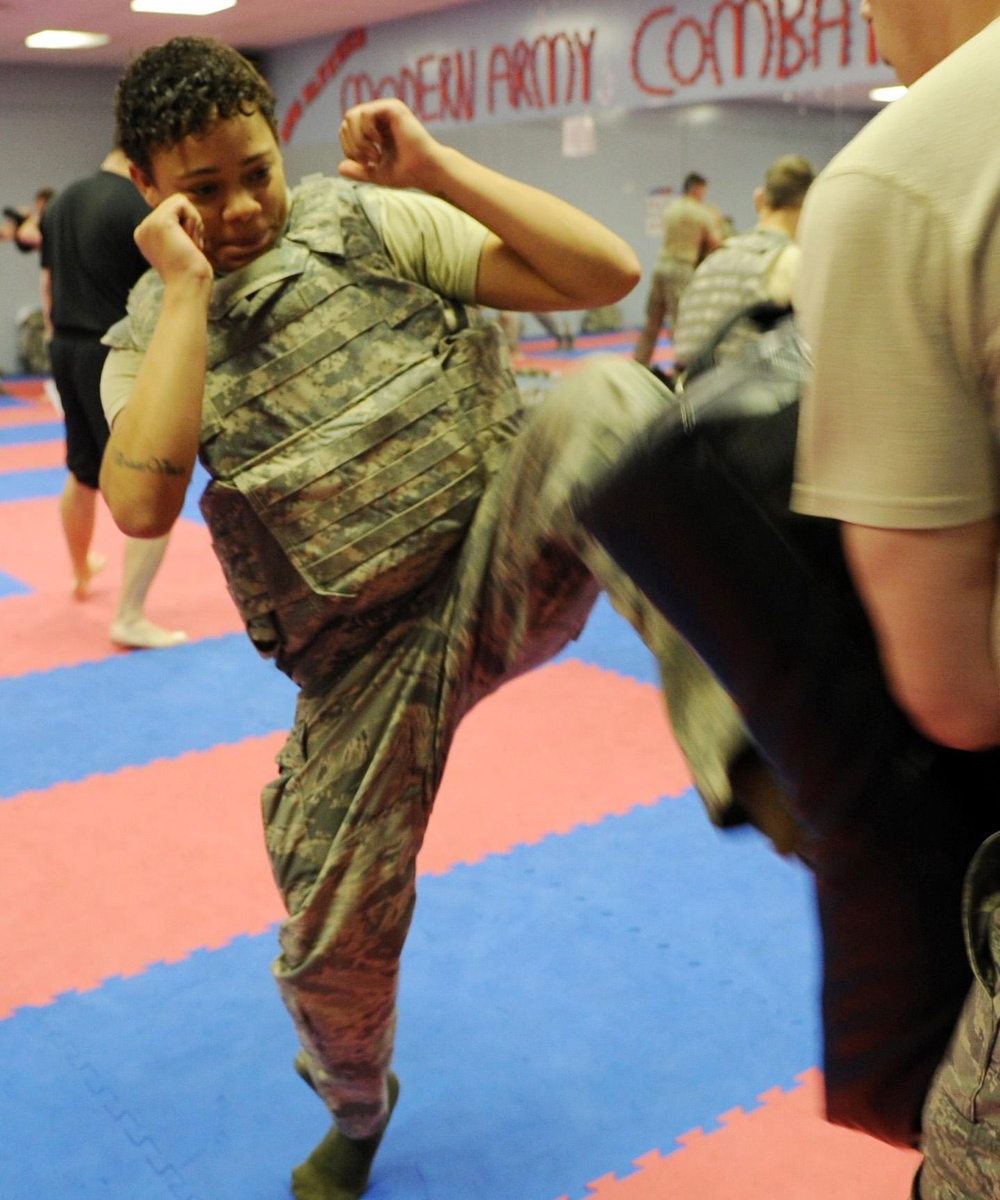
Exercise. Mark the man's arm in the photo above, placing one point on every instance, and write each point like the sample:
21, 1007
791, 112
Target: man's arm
931, 595
153, 445
28, 235
542, 253
711, 235
782, 277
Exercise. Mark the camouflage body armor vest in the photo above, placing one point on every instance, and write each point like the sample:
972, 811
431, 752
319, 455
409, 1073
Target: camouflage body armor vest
351, 422
730, 279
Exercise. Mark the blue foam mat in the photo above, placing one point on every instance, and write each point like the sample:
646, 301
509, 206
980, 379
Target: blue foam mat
196, 696
48, 482
199, 480
31, 485
564, 1009
45, 431
9, 586
158, 705
608, 641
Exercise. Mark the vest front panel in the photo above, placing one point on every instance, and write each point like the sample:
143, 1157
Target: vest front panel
358, 417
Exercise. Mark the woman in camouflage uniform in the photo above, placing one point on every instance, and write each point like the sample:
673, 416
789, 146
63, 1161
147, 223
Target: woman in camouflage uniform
396, 531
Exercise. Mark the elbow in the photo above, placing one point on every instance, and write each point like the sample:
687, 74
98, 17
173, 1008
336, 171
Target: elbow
135, 525
961, 735
631, 277
138, 520
615, 283
629, 274
957, 727
146, 529
140, 511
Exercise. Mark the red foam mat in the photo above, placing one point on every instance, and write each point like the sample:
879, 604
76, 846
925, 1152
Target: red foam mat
32, 406
109, 875
542, 356
54, 630
749, 1158
33, 456
590, 742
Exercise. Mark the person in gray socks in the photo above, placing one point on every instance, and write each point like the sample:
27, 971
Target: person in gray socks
394, 522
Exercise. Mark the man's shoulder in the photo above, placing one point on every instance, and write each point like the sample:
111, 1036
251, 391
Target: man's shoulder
122, 193
92, 191
684, 211
944, 117
96, 181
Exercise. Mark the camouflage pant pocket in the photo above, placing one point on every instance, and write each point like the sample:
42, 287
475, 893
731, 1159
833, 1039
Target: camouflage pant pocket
961, 1157
961, 1118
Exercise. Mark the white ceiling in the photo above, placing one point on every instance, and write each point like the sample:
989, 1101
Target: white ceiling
251, 25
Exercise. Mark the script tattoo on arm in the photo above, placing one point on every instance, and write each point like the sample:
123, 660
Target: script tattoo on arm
154, 466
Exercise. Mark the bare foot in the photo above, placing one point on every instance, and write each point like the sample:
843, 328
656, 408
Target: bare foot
80, 587
144, 635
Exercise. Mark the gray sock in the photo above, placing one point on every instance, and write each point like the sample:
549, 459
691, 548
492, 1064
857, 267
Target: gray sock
339, 1167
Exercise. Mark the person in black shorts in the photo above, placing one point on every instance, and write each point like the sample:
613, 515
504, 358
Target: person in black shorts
89, 263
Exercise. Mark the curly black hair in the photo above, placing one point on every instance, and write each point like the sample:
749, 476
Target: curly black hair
182, 87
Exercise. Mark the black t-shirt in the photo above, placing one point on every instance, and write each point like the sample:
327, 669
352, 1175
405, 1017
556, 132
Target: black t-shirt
88, 247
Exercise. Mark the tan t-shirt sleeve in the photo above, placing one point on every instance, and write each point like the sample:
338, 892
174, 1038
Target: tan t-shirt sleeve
117, 380
431, 241
894, 429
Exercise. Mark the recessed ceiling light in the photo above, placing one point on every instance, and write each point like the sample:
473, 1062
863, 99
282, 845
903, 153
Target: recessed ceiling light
65, 39
182, 8
886, 95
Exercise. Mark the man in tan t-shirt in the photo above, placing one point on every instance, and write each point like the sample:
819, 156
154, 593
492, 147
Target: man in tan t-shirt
899, 298
691, 230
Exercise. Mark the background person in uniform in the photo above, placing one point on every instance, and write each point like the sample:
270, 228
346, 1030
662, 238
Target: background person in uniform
748, 268
555, 325
691, 230
899, 298
89, 263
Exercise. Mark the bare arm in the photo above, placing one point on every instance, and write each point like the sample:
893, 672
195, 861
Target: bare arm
709, 243
931, 595
29, 233
154, 442
543, 254
711, 237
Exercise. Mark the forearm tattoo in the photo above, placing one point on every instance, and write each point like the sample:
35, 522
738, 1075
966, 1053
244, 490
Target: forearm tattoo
154, 466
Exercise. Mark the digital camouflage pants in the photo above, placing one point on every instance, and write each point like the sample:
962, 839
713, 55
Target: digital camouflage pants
961, 1141
358, 776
